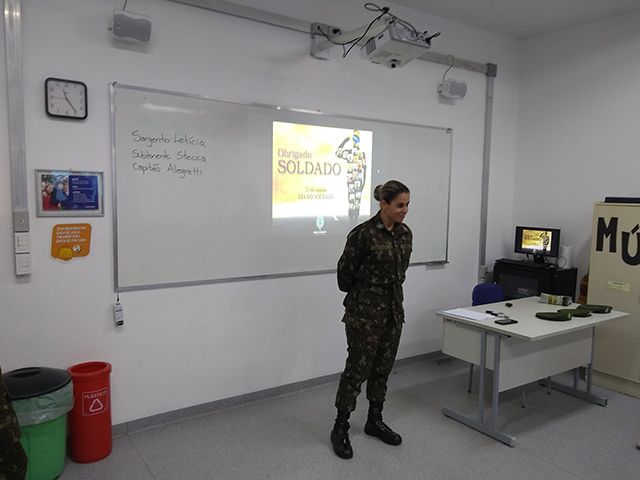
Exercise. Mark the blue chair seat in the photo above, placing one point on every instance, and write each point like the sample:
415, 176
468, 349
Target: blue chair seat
486, 293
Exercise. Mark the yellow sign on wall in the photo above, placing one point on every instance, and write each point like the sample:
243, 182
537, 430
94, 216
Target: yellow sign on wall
69, 241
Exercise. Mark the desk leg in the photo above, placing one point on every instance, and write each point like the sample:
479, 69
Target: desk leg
495, 395
575, 391
483, 369
590, 367
479, 423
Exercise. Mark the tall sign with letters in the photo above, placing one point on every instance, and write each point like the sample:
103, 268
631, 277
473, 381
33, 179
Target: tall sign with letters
614, 279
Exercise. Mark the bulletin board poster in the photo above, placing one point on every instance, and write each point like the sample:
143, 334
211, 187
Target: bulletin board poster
70, 241
64, 193
321, 170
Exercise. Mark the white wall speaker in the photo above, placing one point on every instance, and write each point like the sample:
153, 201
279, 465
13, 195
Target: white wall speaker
131, 27
453, 88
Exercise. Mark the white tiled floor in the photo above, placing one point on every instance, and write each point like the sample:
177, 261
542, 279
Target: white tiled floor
287, 437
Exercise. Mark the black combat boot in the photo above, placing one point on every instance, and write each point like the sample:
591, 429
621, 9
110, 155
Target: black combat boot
377, 428
340, 435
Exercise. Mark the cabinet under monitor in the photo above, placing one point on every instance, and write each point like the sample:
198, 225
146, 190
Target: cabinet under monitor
521, 278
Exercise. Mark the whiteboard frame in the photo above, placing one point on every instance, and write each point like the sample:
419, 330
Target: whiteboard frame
118, 288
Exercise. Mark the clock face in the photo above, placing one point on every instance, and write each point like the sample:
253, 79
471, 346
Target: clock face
66, 98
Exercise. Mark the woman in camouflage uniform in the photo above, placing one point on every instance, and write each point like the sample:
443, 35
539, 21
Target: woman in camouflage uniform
371, 270
13, 459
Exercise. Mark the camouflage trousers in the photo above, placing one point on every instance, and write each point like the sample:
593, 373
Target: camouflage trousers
13, 462
371, 355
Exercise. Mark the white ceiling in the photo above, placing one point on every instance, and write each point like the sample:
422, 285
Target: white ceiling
521, 19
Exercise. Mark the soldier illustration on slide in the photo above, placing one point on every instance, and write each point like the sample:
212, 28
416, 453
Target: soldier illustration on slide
544, 236
349, 150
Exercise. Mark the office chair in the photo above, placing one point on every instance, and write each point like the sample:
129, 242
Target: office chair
486, 293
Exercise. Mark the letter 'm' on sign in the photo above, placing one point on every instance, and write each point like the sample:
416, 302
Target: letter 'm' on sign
606, 231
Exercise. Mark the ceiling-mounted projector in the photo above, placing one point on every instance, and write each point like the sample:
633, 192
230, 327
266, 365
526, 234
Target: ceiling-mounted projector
396, 46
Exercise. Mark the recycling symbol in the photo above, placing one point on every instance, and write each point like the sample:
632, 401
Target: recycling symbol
96, 406
95, 402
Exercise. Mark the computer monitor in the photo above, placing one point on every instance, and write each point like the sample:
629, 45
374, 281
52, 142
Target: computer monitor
537, 241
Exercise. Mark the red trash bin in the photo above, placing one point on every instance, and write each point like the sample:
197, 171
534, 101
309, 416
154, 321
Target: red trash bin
90, 418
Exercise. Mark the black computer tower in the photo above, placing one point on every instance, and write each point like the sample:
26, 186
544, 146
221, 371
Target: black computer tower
522, 278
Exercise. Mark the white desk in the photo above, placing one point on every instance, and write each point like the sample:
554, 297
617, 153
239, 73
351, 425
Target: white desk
520, 353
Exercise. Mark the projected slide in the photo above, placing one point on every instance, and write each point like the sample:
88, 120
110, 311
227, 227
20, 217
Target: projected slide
320, 173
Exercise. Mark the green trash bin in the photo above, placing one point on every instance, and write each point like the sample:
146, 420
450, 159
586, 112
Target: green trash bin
42, 397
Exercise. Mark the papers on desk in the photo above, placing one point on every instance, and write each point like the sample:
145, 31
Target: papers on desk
468, 314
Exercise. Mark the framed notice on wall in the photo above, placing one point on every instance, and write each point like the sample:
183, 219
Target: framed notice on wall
65, 193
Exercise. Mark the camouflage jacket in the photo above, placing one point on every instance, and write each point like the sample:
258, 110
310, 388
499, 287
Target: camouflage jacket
9, 429
372, 269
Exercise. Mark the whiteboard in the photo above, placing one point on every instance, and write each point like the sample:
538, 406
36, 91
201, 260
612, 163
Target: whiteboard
194, 198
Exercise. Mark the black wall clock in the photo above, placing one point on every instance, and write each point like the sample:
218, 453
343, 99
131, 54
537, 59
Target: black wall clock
65, 98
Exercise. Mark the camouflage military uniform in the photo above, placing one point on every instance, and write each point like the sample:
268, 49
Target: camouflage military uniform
13, 459
371, 270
